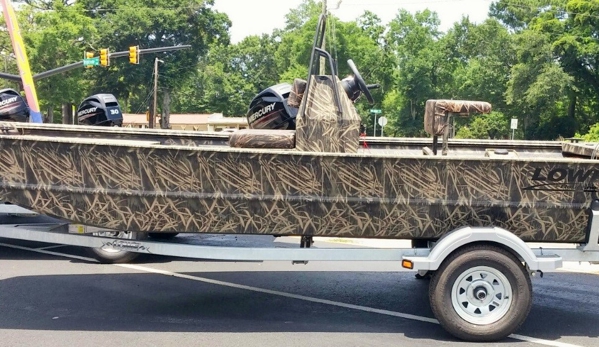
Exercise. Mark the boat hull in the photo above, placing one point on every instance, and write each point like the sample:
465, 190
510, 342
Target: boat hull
147, 186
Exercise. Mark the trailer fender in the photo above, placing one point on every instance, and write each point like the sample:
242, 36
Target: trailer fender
467, 235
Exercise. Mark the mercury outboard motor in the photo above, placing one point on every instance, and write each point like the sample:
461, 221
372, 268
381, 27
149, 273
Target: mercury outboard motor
270, 110
273, 109
100, 109
13, 107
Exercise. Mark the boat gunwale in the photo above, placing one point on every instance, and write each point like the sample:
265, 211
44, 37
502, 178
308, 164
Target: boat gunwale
374, 154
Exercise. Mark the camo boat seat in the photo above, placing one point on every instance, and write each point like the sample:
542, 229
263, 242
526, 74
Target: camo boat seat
263, 138
438, 113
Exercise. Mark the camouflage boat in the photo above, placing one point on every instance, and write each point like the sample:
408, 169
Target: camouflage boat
317, 180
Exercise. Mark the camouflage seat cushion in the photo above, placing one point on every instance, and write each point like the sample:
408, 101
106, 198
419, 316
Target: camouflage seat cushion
435, 114
263, 138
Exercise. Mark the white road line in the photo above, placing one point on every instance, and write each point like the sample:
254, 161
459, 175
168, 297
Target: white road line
542, 342
580, 271
289, 295
50, 247
274, 292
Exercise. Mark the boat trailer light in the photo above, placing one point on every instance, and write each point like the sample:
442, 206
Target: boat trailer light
408, 264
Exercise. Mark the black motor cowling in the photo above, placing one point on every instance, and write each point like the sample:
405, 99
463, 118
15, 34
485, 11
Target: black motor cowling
270, 110
13, 107
100, 109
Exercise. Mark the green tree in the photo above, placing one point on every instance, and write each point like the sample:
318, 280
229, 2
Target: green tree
538, 85
149, 24
420, 72
55, 33
486, 126
229, 76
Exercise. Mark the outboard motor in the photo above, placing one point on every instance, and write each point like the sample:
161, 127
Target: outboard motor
100, 109
13, 107
269, 109
273, 108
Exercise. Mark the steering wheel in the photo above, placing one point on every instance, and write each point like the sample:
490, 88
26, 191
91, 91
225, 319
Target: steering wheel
360, 81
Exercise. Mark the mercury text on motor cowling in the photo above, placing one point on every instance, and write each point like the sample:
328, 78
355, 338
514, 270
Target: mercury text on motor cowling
261, 112
84, 112
8, 101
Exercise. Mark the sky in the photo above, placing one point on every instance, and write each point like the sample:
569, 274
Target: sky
254, 17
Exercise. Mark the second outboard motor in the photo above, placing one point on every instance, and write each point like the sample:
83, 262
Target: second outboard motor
100, 109
13, 107
269, 109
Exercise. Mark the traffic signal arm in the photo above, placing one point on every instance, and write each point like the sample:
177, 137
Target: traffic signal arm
80, 64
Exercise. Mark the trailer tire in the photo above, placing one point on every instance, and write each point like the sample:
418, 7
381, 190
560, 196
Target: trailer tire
107, 255
481, 293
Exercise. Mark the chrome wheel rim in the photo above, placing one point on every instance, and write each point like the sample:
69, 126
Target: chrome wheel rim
481, 295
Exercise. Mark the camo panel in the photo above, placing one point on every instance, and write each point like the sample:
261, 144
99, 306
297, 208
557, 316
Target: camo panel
319, 128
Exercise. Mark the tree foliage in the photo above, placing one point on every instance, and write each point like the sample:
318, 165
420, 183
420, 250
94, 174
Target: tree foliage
534, 60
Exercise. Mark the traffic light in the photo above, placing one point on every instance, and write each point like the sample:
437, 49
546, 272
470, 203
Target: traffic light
89, 55
104, 59
134, 54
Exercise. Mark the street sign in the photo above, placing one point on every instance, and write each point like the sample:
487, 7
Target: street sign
91, 61
375, 111
514, 124
383, 121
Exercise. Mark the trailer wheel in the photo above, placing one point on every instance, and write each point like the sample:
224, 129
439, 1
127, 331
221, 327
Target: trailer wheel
481, 293
109, 255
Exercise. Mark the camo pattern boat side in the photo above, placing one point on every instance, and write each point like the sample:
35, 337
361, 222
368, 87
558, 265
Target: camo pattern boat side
216, 189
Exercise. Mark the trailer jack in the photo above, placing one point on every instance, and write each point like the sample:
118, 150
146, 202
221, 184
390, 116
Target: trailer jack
305, 242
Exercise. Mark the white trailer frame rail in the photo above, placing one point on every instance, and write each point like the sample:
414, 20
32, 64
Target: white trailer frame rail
422, 259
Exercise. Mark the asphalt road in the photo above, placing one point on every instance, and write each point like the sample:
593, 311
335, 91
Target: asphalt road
57, 297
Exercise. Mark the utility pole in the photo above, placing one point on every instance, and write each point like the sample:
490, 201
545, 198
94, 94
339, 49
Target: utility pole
153, 113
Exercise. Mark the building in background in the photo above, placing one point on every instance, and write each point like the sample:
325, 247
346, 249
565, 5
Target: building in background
194, 122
